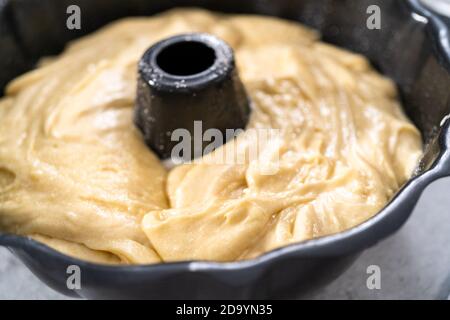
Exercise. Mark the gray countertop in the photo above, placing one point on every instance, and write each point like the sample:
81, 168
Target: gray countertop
414, 263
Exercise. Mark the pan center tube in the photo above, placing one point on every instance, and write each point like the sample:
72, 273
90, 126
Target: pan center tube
188, 83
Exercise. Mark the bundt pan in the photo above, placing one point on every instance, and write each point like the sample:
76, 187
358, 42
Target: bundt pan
412, 47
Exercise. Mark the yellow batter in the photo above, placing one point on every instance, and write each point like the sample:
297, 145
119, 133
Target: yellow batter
76, 174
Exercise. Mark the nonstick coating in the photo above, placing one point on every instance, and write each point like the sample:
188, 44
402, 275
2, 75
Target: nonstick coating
412, 47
